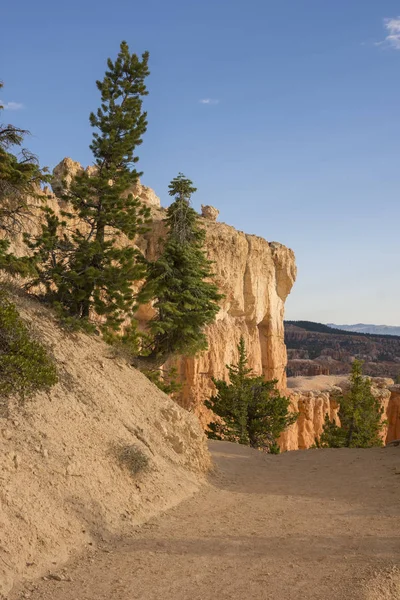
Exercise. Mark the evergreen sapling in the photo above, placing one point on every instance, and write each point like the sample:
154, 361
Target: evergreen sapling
360, 415
180, 281
252, 411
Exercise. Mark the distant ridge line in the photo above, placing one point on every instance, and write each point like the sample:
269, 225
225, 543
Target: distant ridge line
369, 328
335, 329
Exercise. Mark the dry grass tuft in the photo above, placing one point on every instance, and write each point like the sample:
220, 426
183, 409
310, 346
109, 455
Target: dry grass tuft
133, 458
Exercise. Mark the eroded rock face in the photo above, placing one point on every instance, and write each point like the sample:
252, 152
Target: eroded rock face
63, 175
255, 277
66, 170
209, 212
146, 194
313, 406
393, 414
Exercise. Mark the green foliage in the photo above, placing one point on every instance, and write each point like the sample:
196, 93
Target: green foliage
274, 448
72, 324
129, 344
20, 179
25, 366
126, 344
185, 298
165, 379
252, 411
360, 415
80, 258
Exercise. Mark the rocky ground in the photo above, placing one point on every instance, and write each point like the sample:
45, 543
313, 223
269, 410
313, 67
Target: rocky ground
311, 525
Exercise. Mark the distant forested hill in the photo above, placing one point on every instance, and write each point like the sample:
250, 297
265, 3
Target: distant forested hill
318, 349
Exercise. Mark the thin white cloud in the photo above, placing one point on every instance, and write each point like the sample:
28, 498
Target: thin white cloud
392, 39
209, 101
11, 105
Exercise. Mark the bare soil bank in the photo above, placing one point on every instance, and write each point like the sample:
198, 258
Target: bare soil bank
64, 479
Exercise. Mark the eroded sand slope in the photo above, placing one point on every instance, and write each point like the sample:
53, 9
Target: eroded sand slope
61, 482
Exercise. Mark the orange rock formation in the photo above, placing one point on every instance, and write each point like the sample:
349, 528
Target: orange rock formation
255, 277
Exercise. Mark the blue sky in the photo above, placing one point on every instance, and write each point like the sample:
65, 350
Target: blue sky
299, 142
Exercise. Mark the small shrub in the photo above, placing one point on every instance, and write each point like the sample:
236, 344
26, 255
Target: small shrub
133, 458
252, 412
25, 366
274, 448
125, 345
360, 415
317, 443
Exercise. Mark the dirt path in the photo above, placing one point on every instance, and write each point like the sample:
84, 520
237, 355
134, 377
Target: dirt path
304, 525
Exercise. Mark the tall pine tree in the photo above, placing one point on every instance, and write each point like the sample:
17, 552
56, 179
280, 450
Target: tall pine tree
360, 415
252, 410
81, 257
186, 300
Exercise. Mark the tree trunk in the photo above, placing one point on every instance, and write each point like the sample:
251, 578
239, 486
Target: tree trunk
350, 434
97, 263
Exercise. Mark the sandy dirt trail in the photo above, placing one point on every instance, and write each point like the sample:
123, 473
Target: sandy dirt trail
308, 525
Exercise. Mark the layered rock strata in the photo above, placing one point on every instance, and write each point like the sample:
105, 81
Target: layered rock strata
314, 405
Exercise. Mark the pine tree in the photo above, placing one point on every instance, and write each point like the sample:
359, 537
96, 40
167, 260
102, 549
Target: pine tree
20, 179
80, 256
252, 410
186, 300
360, 415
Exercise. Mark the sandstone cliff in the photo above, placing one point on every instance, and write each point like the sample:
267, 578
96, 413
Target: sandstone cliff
66, 170
255, 277
315, 397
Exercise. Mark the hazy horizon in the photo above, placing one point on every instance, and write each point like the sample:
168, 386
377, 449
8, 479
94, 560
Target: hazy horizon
285, 116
